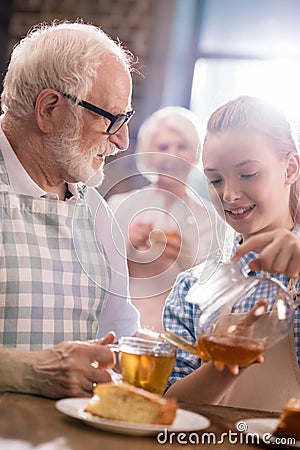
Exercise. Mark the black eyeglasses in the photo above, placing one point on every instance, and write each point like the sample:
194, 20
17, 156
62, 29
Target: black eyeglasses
116, 122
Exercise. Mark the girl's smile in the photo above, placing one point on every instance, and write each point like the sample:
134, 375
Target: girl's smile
239, 213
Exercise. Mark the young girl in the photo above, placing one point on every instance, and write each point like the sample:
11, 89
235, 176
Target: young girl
252, 167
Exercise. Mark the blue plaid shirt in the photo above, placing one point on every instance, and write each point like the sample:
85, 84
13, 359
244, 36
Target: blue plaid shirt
182, 317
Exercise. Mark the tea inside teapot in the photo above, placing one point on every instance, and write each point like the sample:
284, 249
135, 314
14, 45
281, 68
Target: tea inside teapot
241, 316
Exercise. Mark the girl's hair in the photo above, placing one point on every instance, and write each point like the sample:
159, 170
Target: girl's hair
256, 115
63, 55
176, 118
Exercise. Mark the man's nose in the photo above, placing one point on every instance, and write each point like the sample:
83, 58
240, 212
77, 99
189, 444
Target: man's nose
120, 138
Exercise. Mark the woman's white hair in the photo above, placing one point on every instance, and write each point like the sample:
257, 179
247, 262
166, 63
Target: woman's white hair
177, 118
63, 55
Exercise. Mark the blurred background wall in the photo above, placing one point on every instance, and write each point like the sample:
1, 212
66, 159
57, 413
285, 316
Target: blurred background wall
192, 53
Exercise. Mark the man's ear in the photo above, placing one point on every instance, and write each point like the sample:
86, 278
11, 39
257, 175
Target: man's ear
292, 168
47, 106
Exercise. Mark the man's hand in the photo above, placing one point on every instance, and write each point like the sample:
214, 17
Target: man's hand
67, 370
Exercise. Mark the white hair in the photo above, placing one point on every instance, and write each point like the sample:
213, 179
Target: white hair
63, 55
177, 118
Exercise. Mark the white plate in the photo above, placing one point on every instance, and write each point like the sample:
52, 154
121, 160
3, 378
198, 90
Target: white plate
184, 420
264, 427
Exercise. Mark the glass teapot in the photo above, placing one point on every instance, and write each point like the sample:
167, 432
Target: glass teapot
241, 316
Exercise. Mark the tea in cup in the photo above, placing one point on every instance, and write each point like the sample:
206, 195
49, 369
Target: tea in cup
145, 363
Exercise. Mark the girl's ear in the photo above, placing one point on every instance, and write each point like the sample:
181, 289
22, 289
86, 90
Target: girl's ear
47, 106
292, 168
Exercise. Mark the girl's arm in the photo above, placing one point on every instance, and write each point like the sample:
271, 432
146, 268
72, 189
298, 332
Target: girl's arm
203, 385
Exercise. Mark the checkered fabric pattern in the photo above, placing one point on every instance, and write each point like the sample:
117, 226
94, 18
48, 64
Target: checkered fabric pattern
53, 273
182, 317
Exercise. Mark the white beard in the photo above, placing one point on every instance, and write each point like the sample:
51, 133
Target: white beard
75, 166
96, 179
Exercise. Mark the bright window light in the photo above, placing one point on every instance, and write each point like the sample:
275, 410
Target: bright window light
217, 81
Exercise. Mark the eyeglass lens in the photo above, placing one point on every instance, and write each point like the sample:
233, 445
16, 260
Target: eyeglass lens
114, 127
119, 122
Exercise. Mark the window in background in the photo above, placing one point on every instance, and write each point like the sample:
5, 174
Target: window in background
248, 47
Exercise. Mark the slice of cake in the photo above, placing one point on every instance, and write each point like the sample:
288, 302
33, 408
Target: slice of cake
289, 424
128, 403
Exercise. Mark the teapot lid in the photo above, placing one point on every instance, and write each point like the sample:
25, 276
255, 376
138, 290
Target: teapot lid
218, 279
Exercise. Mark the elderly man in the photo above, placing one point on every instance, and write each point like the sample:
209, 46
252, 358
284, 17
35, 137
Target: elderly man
63, 284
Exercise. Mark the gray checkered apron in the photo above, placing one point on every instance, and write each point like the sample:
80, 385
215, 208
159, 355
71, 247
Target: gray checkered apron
53, 272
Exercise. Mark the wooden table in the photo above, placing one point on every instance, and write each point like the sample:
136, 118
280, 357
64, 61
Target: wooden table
36, 421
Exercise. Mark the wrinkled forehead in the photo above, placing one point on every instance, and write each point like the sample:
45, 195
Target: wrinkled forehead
112, 86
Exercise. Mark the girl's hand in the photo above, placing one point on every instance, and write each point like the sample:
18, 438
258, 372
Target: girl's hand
235, 369
243, 328
279, 252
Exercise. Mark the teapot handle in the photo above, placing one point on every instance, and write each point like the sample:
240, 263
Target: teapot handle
290, 292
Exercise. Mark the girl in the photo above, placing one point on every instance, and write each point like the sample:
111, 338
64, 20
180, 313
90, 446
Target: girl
252, 167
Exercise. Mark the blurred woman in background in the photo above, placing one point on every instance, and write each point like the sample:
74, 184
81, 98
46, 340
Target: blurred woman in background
167, 225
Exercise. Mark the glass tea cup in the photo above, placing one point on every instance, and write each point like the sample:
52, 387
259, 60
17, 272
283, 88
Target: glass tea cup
166, 229
145, 363
241, 316
164, 237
